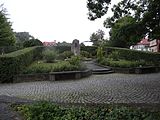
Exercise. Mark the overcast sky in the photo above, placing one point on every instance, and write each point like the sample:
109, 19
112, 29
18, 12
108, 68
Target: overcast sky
49, 20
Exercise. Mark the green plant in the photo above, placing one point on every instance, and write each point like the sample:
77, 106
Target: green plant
49, 55
41, 67
14, 62
75, 60
50, 111
32, 42
114, 56
65, 55
85, 54
99, 53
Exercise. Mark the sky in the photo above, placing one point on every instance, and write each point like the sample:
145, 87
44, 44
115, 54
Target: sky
49, 20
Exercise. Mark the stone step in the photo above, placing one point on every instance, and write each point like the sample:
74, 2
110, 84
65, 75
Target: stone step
102, 71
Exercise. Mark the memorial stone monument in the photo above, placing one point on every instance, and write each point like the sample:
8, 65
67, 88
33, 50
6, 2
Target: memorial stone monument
75, 47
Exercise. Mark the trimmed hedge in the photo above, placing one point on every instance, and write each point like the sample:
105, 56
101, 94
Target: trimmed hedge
13, 63
134, 55
90, 49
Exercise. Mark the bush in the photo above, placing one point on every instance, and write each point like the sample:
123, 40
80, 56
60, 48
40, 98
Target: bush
133, 55
114, 56
32, 42
85, 54
123, 63
49, 55
100, 53
40, 67
13, 63
50, 111
65, 55
75, 60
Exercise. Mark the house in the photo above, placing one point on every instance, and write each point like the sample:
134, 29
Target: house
143, 45
155, 45
48, 44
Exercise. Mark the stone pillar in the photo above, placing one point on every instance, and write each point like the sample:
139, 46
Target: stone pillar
75, 47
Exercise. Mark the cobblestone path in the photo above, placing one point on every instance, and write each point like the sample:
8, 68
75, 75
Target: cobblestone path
110, 88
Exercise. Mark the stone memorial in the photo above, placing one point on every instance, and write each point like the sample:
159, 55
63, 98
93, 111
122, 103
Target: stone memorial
75, 47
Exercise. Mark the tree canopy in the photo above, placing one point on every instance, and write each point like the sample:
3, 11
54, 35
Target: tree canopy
7, 37
97, 37
146, 13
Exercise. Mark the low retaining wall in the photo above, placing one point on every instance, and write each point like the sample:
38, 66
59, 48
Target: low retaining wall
137, 70
52, 76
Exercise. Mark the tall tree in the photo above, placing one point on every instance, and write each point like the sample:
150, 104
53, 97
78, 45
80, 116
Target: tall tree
7, 37
97, 8
151, 19
97, 37
125, 32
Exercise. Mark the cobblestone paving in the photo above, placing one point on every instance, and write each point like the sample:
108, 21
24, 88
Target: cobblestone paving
110, 88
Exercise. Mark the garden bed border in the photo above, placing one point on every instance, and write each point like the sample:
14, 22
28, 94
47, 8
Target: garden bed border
53, 76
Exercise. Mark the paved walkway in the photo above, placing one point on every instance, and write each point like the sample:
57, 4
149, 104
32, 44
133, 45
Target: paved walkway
110, 88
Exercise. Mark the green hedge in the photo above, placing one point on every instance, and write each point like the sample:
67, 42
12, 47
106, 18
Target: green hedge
13, 63
90, 49
134, 55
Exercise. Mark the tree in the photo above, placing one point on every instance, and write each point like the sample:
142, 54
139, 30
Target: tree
126, 32
151, 19
146, 12
23, 36
7, 37
32, 42
97, 8
97, 37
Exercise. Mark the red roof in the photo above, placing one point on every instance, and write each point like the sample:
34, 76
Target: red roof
144, 41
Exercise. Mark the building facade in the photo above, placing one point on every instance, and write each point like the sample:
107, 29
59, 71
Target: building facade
155, 46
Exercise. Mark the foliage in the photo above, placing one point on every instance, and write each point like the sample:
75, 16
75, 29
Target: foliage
65, 55
133, 55
7, 37
64, 43
50, 111
97, 8
75, 60
123, 63
97, 38
14, 62
90, 49
145, 12
41, 67
23, 36
32, 42
151, 19
100, 53
126, 32
86, 54
49, 55
114, 56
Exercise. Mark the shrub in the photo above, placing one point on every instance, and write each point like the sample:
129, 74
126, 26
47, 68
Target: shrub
85, 54
65, 55
123, 63
49, 55
14, 62
40, 67
114, 56
100, 53
90, 49
50, 111
75, 60
32, 42
133, 55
